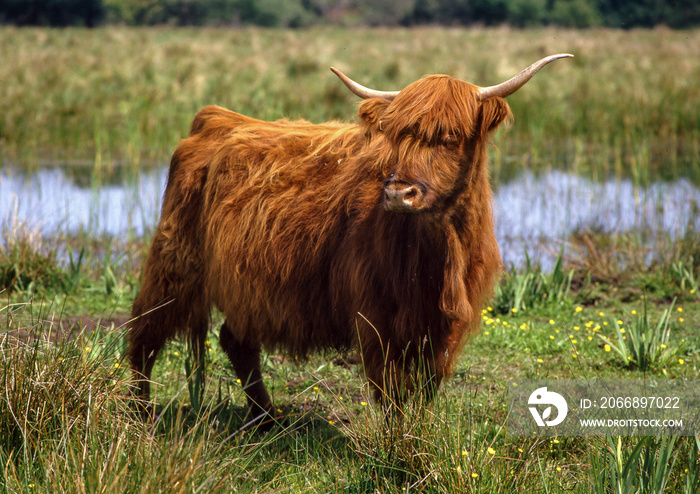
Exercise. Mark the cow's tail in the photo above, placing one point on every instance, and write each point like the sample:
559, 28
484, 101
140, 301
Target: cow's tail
172, 299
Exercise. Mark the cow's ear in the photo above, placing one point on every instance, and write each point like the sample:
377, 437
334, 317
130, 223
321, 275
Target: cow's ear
494, 111
371, 111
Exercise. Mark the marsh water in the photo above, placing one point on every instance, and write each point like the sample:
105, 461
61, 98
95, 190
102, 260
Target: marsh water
533, 213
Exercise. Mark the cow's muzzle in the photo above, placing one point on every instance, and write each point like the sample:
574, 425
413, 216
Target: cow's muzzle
403, 197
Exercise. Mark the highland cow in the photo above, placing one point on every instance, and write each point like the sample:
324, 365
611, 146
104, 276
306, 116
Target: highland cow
375, 236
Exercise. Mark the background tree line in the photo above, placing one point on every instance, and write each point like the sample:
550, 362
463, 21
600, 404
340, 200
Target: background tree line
300, 13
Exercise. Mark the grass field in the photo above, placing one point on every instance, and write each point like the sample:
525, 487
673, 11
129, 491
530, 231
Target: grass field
627, 105
67, 426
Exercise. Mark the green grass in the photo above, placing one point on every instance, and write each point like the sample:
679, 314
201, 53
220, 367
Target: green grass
626, 105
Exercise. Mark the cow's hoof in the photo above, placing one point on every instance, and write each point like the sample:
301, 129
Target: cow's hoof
262, 420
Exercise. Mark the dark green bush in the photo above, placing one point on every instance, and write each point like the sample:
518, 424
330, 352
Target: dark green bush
52, 12
300, 13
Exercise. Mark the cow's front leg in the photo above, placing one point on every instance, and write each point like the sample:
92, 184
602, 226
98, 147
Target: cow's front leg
396, 374
245, 359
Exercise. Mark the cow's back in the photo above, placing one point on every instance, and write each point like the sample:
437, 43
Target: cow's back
272, 223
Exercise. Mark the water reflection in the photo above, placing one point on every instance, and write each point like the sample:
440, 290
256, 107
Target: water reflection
51, 200
533, 213
537, 213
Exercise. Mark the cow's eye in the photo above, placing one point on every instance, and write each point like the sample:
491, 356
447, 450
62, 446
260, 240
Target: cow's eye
450, 140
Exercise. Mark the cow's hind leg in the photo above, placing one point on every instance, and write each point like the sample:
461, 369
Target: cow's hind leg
161, 311
245, 358
149, 332
196, 368
142, 353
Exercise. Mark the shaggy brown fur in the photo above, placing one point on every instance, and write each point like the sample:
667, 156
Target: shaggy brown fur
284, 227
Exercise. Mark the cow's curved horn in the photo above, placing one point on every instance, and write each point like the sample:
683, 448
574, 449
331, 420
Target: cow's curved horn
512, 85
362, 91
